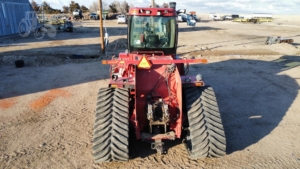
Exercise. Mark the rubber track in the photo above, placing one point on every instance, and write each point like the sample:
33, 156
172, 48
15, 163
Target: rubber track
110, 142
206, 137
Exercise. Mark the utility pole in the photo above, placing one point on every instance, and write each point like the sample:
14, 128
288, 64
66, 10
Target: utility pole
101, 27
153, 4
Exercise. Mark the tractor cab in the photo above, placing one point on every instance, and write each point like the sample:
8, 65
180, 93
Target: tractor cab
152, 29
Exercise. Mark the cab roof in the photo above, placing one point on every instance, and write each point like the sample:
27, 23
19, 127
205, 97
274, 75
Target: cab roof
142, 11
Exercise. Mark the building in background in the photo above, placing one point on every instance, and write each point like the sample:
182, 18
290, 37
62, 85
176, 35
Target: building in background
11, 14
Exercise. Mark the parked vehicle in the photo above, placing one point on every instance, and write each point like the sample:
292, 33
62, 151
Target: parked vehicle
227, 17
216, 17
190, 20
194, 16
31, 24
234, 16
181, 11
122, 19
179, 18
93, 16
240, 19
77, 14
183, 17
61, 22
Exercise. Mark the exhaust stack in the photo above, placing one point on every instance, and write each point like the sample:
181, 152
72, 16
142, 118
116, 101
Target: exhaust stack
172, 5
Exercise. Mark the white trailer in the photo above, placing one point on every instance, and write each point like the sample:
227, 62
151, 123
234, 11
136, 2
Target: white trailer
214, 16
211, 15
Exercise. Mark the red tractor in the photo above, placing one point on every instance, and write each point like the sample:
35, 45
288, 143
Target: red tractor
149, 92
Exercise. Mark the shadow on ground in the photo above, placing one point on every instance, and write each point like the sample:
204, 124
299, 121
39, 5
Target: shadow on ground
64, 51
252, 96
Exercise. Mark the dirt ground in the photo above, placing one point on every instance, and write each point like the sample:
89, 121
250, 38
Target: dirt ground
47, 107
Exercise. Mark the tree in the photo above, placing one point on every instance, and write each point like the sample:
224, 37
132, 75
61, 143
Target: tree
46, 7
131, 5
165, 5
95, 7
124, 8
117, 7
84, 9
104, 6
35, 6
66, 9
113, 8
55, 11
74, 6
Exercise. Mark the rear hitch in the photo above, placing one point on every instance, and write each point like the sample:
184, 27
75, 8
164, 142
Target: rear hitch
158, 145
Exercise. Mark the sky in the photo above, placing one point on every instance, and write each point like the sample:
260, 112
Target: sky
276, 7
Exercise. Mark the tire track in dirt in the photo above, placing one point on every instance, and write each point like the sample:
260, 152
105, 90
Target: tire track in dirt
175, 158
25, 118
60, 121
12, 158
276, 162
15, 158
83, 118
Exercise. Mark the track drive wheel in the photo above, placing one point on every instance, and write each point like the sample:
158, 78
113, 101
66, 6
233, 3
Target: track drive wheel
111, 129
205, 136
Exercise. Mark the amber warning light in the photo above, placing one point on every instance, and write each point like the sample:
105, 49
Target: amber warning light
144, 63
134, 11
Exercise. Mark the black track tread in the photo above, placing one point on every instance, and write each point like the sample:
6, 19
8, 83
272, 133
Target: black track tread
206, 137
111, 128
